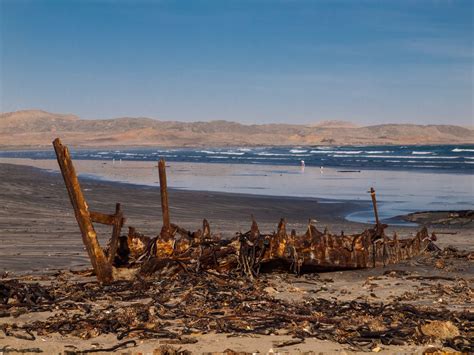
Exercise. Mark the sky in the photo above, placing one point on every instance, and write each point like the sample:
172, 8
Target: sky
259, 61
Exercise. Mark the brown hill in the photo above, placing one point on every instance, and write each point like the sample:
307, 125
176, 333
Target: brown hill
33, 128
335, 124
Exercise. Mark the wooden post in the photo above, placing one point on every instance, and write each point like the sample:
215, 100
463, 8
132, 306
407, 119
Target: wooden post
102, 267
117, 228
164, 195
374, 202
379, 230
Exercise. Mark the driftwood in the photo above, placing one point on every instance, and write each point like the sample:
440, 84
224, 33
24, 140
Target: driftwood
249, 253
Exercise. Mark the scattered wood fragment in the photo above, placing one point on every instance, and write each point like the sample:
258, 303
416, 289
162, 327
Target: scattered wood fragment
8, 349
120, 346
289, 343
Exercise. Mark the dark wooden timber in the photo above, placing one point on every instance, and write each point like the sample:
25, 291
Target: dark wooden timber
103, 218
118, 224
374, 202
164, 195
102, 267
379, 230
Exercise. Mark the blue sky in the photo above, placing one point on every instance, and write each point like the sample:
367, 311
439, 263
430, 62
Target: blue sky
291, 61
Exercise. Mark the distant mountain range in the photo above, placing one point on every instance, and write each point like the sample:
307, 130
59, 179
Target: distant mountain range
36, 129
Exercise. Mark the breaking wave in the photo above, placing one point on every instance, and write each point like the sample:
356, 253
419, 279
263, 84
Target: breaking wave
298, 150
457, 150
221, 153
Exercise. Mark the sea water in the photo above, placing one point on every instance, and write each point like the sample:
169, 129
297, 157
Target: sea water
439, 158
407, 178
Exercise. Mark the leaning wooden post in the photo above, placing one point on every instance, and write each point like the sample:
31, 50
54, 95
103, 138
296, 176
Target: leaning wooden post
380, 232
376, 236
102, 267
164, 195
374, 202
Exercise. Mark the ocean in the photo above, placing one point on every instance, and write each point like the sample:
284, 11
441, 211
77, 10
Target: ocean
435, 158
406, 178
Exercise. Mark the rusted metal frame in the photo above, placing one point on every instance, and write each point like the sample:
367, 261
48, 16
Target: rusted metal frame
101, 265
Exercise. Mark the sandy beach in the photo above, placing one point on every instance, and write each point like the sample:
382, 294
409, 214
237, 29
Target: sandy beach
40, 239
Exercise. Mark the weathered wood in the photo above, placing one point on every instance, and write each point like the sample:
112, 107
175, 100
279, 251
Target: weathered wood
313, 251
164, 196
374, 202
103, 218
102, 267
118, 224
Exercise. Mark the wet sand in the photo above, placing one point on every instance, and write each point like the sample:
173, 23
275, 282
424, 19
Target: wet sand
38, 234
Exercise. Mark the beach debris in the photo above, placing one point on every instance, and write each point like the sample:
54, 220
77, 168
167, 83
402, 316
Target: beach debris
176, 249
440, 329
120, 346
440, 264
445, 218
169, 350
177, 309
8, 349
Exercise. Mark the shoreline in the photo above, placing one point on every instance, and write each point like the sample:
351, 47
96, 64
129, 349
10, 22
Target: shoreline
399, 193
98, 178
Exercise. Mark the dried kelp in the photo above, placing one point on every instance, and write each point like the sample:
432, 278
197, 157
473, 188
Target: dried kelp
180, 306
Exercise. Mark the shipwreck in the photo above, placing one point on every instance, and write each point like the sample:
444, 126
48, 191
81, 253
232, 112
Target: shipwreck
176, 249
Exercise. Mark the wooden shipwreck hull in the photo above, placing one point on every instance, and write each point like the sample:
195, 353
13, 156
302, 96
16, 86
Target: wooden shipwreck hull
253, 252
250, 253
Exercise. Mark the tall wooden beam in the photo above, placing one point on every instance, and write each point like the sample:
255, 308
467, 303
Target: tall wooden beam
102, 267
164, 195
374, 202
117, 228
